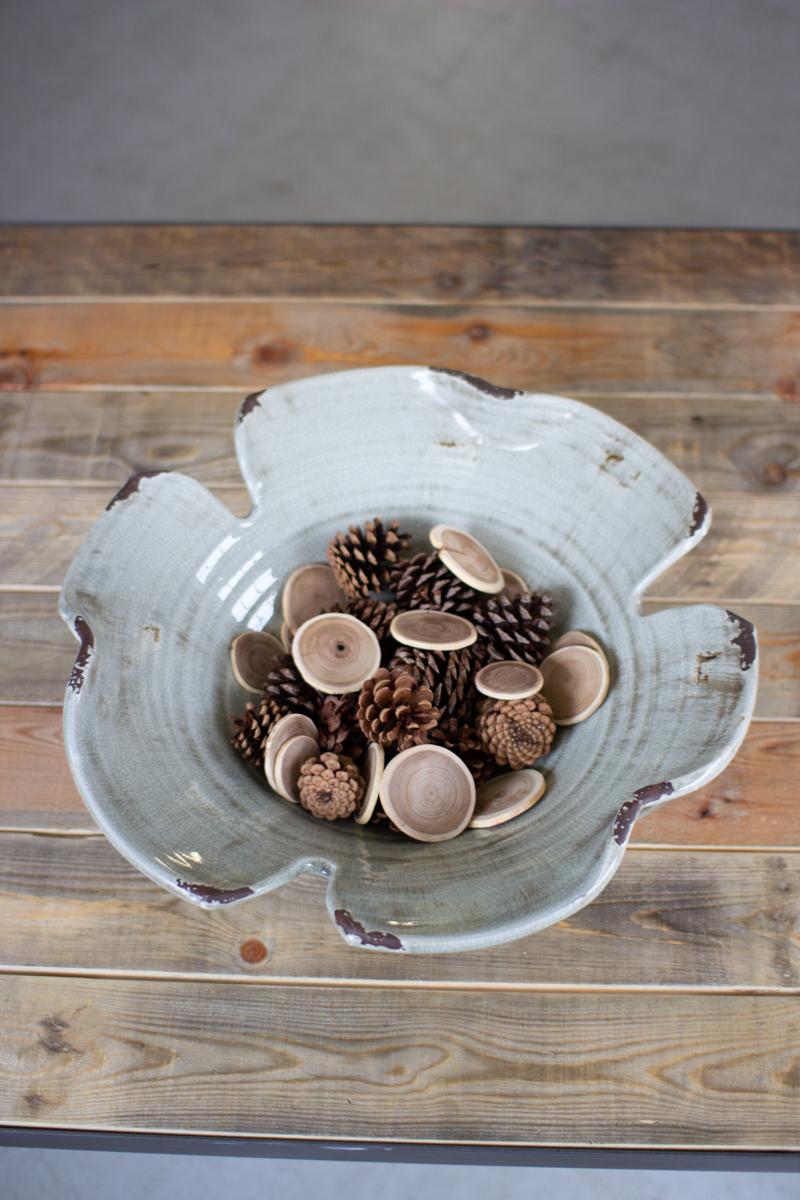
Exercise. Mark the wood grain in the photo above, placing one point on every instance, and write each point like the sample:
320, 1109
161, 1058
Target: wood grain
105, 436
751, 554
232, 344
339, 1062
403, 263
695, 919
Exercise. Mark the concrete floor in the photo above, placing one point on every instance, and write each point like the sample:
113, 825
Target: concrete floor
676, 112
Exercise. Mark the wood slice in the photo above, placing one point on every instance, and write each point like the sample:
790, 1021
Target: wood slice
336, 653
429, 629
576, 637
467, 558
576, 682
288, 762
253, 655
309, 591
509, 680
285, 728
506, 796
372, 770
513, 584
428, 793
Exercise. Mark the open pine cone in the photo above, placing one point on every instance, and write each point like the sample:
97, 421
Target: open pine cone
516, 627
287, 688
448, 674
253, 727
330, 787
375, 613
517, 732
337, 722
362, 558
395, 710
425, 582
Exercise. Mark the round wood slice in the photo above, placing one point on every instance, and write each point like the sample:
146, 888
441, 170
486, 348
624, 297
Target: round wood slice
336, 653
467, 558
513, 584
506, 796
575, 683
292, 725
372, 770
288, 762
428, 793
509, 680
253, 655
309, 591
576, 637
429, 629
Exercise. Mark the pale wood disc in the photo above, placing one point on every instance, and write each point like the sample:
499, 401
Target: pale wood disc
292, 725
429, 629
506, 796
309, 591
253, 655
576, 637
576, 682
467, 558
509, 680
336, 653
428, 793
288, 762
513, 584
372, 770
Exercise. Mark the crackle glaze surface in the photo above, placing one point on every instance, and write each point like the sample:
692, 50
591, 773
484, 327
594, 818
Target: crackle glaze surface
577, 503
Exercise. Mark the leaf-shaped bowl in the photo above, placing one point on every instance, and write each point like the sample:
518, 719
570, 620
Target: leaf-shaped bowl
575, 502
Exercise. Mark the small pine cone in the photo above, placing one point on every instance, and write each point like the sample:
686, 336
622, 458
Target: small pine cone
339, 731
448, 674
425, 582
252, 729
286, 686
517, 732
469, 747
362, 558
515, 628
395, 710
330, 787
374, 613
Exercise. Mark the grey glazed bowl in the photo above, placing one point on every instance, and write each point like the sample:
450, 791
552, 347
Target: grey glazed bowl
577, 503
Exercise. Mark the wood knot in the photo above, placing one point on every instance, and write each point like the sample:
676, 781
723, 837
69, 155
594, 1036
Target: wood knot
772, 474
479, 332
253, 951
18, 371
274, 354
448, 281
786, 389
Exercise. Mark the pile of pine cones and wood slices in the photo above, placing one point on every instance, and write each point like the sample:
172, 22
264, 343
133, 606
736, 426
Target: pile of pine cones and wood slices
419, 690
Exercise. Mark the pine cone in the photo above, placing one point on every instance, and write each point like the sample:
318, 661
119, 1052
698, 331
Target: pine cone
515, 628
252, 729
338, 726
286, 686
517, 732
395, 710
425, 582
362, 558
374, 613
448, 674
330, 786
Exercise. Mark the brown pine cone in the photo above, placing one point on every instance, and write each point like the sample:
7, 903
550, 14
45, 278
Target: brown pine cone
330, 787
468, 746
515, 628
425, 582
377, 614
286, 686
337, 721
448, 674
362, 558
253, 727
395, 710
517, 732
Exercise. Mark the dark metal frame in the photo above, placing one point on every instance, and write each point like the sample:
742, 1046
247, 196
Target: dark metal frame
452, 1154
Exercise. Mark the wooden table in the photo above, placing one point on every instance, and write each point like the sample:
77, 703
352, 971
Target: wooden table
663, 1017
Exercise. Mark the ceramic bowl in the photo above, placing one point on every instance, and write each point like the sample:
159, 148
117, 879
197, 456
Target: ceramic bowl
575, 502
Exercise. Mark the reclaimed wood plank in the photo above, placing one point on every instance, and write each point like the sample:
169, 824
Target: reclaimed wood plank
695, 919
751, 553
105, 436
423, 263
37, 651
320, 1062
231, 344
